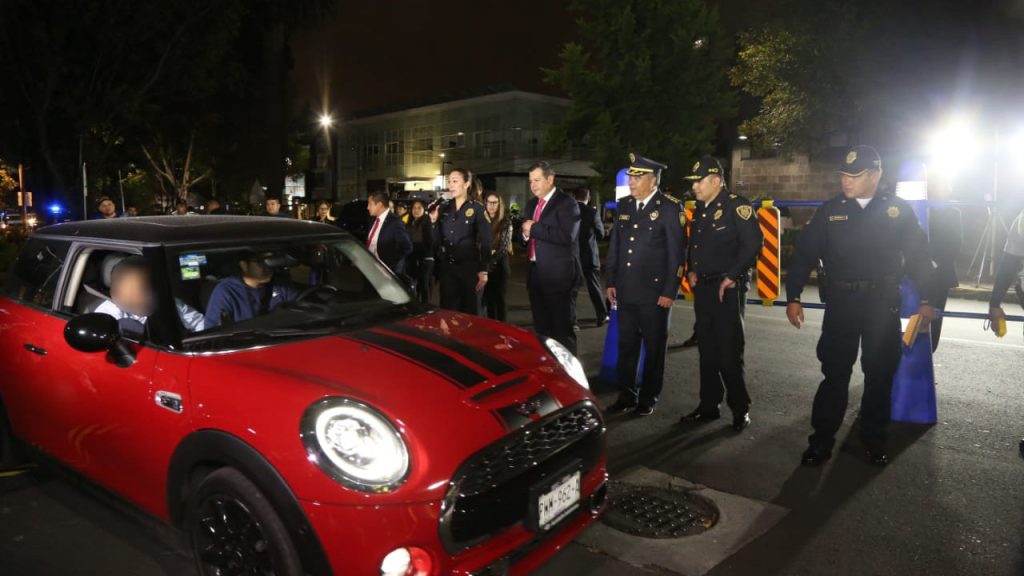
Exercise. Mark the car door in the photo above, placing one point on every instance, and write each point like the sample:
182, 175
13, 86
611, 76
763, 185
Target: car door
27, 344
121, 423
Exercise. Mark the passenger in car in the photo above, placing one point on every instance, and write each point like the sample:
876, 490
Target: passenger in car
131, 298
243, 297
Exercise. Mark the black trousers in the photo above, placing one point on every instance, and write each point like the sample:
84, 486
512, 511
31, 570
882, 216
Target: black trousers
553, 311
592, 278
496, 290
458, 289
647, 324
424, 276
720, 342
936, 326
870, 321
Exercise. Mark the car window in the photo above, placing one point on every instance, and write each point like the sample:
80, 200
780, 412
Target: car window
34, 276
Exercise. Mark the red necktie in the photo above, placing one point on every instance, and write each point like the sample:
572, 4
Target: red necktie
369, 239
536, 216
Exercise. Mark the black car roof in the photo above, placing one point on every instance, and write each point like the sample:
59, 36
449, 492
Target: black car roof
189, 229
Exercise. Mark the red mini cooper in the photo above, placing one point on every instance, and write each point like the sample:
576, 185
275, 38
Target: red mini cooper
285, 401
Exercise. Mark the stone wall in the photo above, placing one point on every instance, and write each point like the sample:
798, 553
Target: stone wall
796, 178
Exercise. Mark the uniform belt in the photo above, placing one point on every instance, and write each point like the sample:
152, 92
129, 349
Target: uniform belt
710, 278
862, 285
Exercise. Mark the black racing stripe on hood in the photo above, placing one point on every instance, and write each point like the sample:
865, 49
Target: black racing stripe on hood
439, 363
487, 361
532, 409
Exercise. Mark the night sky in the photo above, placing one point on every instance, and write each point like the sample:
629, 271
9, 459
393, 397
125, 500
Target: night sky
382, 53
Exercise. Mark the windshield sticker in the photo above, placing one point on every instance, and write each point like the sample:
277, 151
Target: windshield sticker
190, 272
192, 259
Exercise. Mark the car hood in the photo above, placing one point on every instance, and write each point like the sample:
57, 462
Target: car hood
451, 383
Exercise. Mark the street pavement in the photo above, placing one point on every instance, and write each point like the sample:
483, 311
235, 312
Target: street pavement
951, 502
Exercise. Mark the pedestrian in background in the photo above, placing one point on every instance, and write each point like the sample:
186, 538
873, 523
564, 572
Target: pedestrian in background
551, 237
498, 266
644, 267
591, 231
945, 240
463, 237
388, 239
421, 260
180, 207
323, 213
105, 208
866, 241
725, 239
272, 208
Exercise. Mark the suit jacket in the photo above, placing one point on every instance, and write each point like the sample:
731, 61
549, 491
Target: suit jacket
393, 243
645, 253
557, 242
591, 230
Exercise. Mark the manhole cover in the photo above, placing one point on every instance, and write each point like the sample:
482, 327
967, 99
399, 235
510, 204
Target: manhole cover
657, 512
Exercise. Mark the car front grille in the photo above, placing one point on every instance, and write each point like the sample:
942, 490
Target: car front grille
491, 491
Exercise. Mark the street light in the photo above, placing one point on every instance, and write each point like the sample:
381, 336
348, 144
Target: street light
954, 146
326, 121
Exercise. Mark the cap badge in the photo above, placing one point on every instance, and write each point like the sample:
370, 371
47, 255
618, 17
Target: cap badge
893, 212
632, 157
654, 215
745, 212
696, 166
851, 157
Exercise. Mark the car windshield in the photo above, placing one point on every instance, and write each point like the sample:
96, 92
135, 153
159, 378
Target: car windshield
234, 295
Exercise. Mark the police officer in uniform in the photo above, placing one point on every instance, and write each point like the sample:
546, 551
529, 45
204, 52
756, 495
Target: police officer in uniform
866, 241
725, 239
463, 235
644, 267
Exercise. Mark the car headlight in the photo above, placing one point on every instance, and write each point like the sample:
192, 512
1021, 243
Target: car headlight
355, 444
568, 360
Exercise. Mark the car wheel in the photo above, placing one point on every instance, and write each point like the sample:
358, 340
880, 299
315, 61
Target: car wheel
232, 529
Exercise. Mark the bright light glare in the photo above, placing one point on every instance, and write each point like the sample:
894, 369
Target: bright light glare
954, 146
326, 121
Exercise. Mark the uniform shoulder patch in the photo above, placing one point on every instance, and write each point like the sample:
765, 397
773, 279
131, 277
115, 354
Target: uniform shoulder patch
682, 218
893, 212
732, 196
469, 213
672, 198
745, 211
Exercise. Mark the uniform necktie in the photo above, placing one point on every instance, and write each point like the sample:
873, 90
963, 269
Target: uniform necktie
640, 207
536, 216
373, 231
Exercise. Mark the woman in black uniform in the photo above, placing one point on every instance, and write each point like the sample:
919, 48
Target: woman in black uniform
463, 237
498, 264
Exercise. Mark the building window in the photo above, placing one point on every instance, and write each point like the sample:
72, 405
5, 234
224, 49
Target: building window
394, 148
453, 141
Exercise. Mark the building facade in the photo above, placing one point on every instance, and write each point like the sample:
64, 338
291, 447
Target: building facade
496, 135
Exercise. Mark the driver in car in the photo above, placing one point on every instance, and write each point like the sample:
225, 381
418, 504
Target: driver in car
131, 298
252, 293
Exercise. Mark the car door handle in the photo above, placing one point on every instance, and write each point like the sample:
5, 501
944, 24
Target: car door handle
35, 349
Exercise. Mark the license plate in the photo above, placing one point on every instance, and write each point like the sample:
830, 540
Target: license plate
562, 499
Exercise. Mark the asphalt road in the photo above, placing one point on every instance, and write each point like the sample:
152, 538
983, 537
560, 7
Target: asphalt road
951, 502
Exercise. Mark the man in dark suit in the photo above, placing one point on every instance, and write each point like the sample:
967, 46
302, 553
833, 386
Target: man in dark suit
591, 230
551, 237
644, 271
388, 239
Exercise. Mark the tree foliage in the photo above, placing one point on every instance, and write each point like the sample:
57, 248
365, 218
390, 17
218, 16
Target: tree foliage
645, 76
803, 69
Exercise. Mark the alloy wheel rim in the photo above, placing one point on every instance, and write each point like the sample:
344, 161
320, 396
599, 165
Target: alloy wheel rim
229, 540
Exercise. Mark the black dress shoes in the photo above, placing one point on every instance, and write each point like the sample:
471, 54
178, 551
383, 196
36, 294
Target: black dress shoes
740, 421
601, 321
877, 456
815, 456
699, 416
621, 407
644, 410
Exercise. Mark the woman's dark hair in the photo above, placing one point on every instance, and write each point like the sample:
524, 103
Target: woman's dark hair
323, 203
467, 175
476, 189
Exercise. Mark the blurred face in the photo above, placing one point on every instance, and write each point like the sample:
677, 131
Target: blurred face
492, 203
273, 206
181, 209
375, 208
642, 186
323, 210
417, 210
254, 272
107, 208
863, 186
212, 205
707, 188
133, 211
540, 184
457, 185
131, 292
401, 210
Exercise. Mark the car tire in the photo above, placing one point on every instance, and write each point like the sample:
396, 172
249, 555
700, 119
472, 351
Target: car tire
231, 528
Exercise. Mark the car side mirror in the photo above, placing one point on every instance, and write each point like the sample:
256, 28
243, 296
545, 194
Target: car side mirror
98, 332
